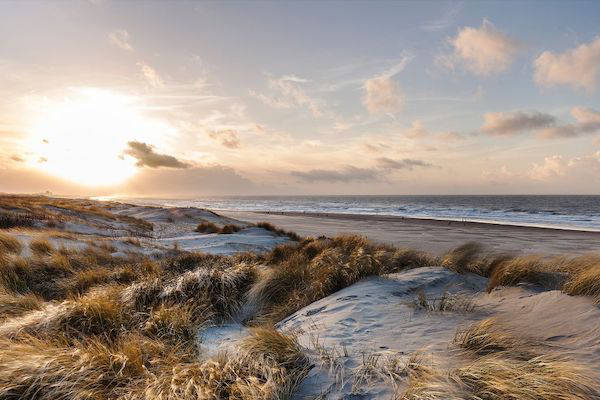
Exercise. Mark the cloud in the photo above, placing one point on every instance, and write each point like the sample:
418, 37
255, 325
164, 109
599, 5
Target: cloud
552, 167
120, 38
146, 157
382, 95
482, 51
17, 158
578, 67
227, 137
42, 160
345, 174
152, 77
451, 137
588, 122
513, 122
406, 163
446, 19
290, 94
416, 130
349, 173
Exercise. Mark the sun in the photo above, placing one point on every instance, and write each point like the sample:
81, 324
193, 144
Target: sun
81, 135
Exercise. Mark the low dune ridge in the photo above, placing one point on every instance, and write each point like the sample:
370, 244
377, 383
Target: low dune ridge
90, 308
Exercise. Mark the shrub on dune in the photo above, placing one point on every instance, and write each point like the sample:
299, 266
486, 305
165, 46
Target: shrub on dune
229, 229
207, 227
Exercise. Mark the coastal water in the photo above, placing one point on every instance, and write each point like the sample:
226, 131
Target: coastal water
569, 212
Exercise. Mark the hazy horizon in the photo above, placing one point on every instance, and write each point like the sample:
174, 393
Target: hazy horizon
186, 99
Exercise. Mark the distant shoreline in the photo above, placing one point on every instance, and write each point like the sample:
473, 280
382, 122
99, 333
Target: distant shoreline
431, 235
420, 220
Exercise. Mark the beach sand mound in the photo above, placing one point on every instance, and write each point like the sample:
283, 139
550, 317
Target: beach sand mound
363, 340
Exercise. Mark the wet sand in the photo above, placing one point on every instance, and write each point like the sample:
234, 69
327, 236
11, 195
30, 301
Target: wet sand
434, 236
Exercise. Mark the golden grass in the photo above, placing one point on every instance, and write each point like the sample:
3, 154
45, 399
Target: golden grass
268, 366
9, 244
16, 305
315, 268
41, 247
584, 282
281, 232
501, 364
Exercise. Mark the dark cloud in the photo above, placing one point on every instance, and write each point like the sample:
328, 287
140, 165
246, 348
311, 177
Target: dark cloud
227, 137
146, 157
588, 123
546, 126
346, 174
406, 163
513, 122
17, 158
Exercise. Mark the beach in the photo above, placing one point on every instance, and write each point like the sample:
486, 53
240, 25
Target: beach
431, 235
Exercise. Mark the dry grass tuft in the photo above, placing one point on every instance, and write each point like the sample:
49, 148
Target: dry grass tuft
532, 269
584, 282
281, 232
41, 247
17, 305
9, 244
229, 229
447, 302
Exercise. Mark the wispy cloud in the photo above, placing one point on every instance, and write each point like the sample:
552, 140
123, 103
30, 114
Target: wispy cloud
121, 39
288, 92
151, 76
447, 18
227, 137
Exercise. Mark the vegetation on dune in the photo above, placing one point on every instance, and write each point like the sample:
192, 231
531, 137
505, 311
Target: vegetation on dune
281, 232
31, 211
209, 227
496, 364
9, 244
87, 325
301, 274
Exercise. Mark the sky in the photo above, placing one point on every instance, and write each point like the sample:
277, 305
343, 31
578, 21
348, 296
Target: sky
183, 99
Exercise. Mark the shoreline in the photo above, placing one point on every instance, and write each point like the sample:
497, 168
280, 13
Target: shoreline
417, 220
431, 235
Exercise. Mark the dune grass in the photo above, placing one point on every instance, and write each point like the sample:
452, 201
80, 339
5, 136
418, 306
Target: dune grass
41, 247
9, 244
209, 227
498, 364
281, 232
301, 274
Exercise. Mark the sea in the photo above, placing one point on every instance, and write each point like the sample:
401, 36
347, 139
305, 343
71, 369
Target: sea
557, 211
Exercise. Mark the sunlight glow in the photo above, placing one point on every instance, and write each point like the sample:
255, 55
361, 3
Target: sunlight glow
81, 136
